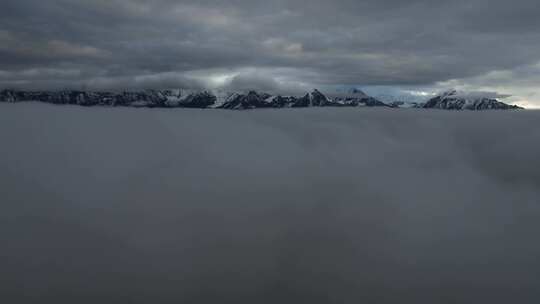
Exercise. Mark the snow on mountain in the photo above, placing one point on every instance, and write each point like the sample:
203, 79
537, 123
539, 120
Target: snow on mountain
148, 98
180, 98
456, 100
250, 100
356, 97
253, 100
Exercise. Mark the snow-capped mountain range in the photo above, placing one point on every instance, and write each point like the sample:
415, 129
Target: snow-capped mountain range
455, 100
450, 100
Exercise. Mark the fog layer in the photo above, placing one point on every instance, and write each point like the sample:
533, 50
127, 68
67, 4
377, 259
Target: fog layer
296, 206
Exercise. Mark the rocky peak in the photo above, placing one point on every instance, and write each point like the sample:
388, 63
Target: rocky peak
455, 100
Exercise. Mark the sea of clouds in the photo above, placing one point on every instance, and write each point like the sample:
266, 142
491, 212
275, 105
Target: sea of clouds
103, 205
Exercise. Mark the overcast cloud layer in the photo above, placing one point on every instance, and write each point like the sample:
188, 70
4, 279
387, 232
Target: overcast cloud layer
291, 45
301, 206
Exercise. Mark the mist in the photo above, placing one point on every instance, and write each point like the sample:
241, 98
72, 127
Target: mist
119, 205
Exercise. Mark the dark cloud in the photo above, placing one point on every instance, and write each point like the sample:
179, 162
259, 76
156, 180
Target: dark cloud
393, 43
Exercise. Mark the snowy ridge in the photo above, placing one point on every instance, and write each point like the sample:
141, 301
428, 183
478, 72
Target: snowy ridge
356, 97
455, 100
203, 99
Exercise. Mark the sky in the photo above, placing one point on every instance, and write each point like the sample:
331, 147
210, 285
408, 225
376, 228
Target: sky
407, 48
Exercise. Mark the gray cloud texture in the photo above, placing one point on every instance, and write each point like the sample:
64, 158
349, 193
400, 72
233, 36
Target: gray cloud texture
395, 43
309, 206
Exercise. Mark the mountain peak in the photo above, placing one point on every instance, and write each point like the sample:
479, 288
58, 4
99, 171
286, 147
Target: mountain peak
449, 92
456, 100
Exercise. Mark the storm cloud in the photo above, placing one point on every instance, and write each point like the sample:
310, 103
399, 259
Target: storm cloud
390, 43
